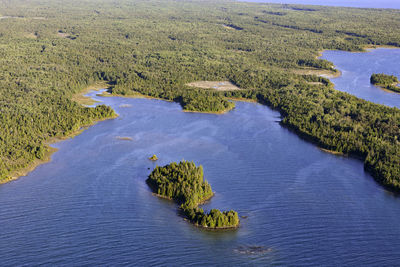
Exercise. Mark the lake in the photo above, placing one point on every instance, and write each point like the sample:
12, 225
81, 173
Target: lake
357, 69
91, 206
395, 4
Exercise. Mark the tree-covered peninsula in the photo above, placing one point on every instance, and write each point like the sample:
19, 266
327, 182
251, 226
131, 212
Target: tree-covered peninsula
184, 183
389, 82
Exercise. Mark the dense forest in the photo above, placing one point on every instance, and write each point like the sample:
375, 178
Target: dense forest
389, 82
184, 183
51, 50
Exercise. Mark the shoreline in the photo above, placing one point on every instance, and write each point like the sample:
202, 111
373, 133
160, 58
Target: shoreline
139, 95
335, 73
15, 175
202, 202
365, 49
210, 112
318, 72
387, 89
213, 228
333, 152
84, 100
369, 47
31, 166
135, 95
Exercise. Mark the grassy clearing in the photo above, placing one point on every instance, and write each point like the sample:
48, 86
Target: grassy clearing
216, 85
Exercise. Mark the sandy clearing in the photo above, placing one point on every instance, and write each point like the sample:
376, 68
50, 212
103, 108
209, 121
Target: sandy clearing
216, 85
318, 72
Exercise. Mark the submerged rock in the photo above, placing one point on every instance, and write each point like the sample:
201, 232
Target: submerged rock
252, 250
124, 138
125, 105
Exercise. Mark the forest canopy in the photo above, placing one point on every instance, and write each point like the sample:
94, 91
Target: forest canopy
389, 82
184, 183
53, 49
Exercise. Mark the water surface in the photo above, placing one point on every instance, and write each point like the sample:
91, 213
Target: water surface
91, 206
357, 69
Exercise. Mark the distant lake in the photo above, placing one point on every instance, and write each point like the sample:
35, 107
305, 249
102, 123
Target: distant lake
345, 3
356, 71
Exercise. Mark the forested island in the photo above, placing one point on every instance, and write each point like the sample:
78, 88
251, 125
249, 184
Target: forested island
184, 183
52, 51
389, 82
153, 158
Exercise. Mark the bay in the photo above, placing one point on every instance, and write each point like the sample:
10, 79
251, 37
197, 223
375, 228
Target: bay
91, 206
357, 68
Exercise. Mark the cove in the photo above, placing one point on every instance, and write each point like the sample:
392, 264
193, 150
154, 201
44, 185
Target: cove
357, 68
90, 205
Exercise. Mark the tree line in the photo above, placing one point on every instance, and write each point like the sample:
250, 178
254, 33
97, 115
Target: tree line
389, 82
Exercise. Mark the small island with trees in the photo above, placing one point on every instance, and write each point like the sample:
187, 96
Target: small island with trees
389, 82
185, 184
153, 158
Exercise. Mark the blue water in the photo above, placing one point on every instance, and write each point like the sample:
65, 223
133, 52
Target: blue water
91, 206
395, 4
356, 71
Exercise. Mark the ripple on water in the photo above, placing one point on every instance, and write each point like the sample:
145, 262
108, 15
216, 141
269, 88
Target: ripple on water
90, 205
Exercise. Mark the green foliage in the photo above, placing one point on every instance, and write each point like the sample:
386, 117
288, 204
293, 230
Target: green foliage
317, 79
214, 219
340, 122
383, 79
184, 183
394, 88
156, 47
154, 157
386, 81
